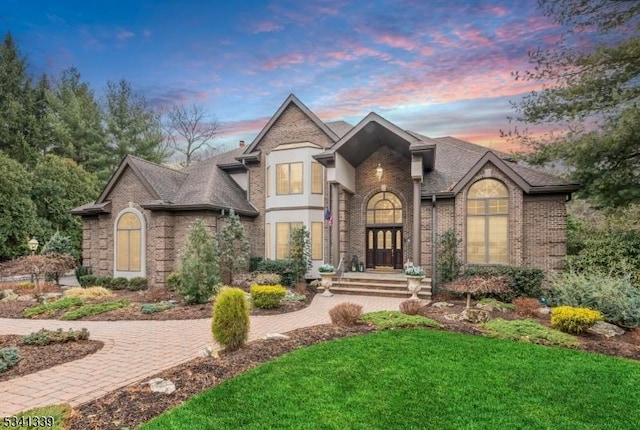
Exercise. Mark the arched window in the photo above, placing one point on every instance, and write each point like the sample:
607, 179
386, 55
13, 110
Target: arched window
129, 246
384, 208
487, 223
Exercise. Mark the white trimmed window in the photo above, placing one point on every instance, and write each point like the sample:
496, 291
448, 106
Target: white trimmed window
283, 238
487, 223
268, 181
267, 241
289, 178
317, 178
316, 240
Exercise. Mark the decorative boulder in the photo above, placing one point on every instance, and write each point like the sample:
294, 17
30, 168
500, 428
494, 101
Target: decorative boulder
159, 385
440, 305
605, 329
486, 307
474, 316
276, 336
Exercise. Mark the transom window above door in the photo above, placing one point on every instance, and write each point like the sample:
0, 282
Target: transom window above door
384, 208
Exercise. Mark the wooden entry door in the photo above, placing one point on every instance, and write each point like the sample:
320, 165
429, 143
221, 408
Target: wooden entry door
384, 247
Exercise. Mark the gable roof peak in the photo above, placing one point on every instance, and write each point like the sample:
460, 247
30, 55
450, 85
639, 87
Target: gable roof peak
288, 101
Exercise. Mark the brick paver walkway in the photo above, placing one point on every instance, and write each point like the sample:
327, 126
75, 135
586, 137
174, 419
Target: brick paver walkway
135, 350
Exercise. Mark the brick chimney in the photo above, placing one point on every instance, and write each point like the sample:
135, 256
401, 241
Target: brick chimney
241, 144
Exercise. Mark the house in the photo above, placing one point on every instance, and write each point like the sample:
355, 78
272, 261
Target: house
373, 190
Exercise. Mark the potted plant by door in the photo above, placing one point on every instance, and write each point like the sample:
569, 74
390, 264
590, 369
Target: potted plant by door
414, 275
327, 272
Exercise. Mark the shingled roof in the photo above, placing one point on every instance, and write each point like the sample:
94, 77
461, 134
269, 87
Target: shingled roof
202, 185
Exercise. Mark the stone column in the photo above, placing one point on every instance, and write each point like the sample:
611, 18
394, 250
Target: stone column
335, 228
415, 253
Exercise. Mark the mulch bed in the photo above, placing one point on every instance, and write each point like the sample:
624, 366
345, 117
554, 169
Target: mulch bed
36, 358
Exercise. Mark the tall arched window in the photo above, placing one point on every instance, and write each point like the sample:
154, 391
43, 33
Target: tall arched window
129, 246
487, 223
384, 208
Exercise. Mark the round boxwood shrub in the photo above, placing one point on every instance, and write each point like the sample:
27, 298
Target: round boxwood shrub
230, 324
138, 283
267, 296
120, 283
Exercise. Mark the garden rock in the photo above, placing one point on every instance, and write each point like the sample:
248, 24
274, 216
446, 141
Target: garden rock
605, 329
543, 311
440, 305
474, 316
26, 298
159, 385
276, 336
487, 307
49, 296
8, 296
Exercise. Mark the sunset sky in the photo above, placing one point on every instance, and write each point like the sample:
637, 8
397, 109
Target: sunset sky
435, 67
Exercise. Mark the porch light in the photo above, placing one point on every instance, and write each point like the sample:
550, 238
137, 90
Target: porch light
379, 172
33, 245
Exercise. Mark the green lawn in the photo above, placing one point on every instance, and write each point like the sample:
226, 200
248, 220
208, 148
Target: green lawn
421, 379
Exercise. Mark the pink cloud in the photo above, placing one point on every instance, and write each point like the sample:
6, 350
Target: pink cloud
266, 27
396, 41
497, 10
283, 61
474, 36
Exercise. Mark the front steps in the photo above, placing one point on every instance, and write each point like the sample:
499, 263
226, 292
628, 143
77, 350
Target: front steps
374, 284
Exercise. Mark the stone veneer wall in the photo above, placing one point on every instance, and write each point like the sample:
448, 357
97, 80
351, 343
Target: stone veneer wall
397, 178
291, 127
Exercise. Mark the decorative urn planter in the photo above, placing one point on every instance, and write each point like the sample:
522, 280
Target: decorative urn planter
414, 277
327, 272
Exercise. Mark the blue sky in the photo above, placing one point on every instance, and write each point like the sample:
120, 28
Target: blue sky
434, 67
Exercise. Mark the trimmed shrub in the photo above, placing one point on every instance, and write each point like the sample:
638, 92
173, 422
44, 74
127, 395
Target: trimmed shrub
616, 298
138, 283
45, 337
267, 296
524, 282
254, 262
345, 314
412, 307
88, 280
88, 293
574, 320
230, 324
9, 357
233, 248
81, 271
152, 308
119, 283
174, 281
285, 268
104, 281
268, 279
527, 306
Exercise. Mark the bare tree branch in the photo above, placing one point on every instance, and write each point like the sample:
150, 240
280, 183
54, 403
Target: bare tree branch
189, 129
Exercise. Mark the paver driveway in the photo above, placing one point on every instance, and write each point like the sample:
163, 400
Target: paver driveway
135, 350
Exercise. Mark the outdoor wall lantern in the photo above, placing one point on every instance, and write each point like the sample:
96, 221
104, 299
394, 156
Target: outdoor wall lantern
33, 245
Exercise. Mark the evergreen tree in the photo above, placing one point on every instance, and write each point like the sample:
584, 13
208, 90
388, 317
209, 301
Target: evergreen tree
15, 87
18, 221
58, 185
76, 120
132, 126
199, 265
300, 251
59, 244
42, 137
589, 81
233, 248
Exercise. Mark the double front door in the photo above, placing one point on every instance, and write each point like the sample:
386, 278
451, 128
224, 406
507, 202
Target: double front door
384, 247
